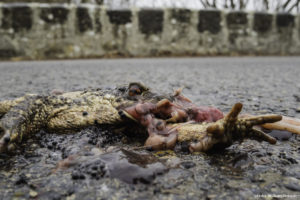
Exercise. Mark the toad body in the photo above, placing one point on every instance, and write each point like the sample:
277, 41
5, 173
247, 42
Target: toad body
62, 112
167, 118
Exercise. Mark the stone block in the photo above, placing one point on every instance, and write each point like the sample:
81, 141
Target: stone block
151, 21
209, 20
119, 17
181, 15
262, 22
284, 20
236, 18
54, 14
17, 17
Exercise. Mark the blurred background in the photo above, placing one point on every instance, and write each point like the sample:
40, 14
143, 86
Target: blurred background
36, 29
254, 5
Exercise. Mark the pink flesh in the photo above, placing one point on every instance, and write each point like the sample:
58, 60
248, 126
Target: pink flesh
206, 114
145, 113
199, 113
152, 116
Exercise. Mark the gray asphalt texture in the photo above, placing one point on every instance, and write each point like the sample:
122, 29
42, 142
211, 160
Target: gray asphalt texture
262, 84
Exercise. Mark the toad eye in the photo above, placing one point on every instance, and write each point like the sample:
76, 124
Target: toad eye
134, 90
137, 88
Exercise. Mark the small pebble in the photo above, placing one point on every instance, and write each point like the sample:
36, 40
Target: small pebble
292, 183
188, 164
33, 193
96, 151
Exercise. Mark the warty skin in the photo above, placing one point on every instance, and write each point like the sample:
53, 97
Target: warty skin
168, 119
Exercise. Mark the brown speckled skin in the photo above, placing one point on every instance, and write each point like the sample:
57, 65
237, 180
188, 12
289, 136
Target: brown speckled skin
73, 111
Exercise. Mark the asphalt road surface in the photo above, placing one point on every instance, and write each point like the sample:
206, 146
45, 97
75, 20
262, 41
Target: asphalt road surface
267, 83
262, 84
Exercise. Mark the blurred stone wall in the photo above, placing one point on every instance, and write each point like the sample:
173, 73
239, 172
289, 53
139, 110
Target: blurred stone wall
99, 2
47, 31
